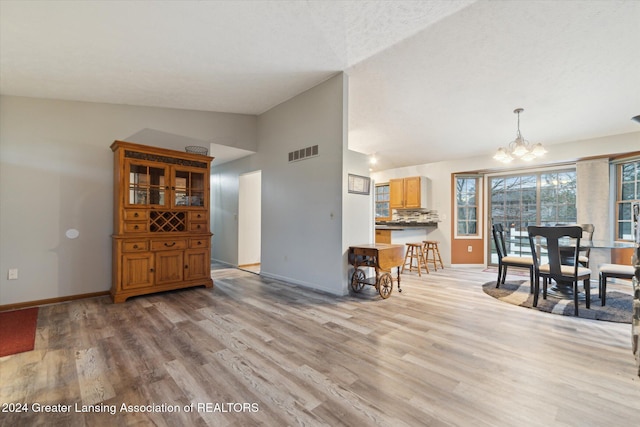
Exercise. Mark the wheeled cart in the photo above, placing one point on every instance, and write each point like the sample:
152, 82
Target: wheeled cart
383, 258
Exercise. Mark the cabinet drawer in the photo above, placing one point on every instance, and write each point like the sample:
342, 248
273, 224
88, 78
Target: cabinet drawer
165, 244
383, 236
135, 246
198, 226
198, 217
135, 227
199, 243
135, 214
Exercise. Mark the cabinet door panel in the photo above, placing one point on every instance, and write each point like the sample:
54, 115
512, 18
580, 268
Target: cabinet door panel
396, 193
197, 265
169, 266
137, 270
189, 188
412, 192
146, 184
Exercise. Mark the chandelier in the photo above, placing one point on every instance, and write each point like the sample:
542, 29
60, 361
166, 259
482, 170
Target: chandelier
519, 148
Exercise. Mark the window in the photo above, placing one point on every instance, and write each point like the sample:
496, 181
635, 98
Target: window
518, 201
383, 213
628, 193
467, 207
558, 198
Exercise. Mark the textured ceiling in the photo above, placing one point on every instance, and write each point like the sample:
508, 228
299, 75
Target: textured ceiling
429, 80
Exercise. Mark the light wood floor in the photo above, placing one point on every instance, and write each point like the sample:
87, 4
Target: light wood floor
442, 353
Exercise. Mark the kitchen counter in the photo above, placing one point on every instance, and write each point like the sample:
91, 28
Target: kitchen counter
404, 225
397, 232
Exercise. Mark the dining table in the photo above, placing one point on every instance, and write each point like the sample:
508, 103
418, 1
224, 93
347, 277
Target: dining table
567, 248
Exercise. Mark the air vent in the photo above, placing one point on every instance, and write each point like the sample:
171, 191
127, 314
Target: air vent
303, 153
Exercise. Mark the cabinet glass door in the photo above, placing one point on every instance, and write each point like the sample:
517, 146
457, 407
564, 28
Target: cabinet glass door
189, 189
146, 185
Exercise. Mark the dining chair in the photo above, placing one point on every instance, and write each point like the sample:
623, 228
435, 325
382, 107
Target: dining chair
606, 271
548, 237
587, 234
505, 260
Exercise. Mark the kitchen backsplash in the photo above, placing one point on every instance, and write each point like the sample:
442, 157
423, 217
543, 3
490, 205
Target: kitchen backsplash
418, 215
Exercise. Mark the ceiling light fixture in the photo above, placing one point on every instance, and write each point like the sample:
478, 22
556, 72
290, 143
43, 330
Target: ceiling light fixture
519, 148
636, 118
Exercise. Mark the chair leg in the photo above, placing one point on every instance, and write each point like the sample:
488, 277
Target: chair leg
587, 292
544, 288
424, 260
406, 255
575, 298
536, 291
603, 289
600, 285
437, 252
531, 279
504, 273
417, 255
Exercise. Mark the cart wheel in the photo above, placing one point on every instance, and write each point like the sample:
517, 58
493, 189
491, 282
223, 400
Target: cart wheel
385, 285
357, 280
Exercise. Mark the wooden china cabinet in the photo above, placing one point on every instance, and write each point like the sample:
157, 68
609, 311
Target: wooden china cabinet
161, 238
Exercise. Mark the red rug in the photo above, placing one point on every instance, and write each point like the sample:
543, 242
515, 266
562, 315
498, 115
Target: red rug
18, 331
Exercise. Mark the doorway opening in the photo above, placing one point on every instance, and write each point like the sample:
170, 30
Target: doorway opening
249, 221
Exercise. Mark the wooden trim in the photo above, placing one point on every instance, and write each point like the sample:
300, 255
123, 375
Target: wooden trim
26, 304
459, 245
622, 156
160, 151
622, 256
388, 201
618, 201
614, 157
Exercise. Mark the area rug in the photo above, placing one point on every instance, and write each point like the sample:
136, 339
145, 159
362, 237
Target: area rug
18, 331
618, 308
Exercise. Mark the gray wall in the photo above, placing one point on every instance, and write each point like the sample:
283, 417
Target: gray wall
303, 240
56, 172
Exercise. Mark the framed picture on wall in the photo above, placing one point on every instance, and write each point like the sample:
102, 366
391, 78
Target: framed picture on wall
359, 184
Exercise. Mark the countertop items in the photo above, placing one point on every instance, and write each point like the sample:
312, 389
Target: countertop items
401, 225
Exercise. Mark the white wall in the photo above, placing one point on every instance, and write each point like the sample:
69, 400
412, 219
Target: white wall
304, 202
440, 173
249, 218
56, 173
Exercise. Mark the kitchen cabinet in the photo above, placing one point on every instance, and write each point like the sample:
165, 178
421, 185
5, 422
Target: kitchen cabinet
383, 236
161, 238
408, 193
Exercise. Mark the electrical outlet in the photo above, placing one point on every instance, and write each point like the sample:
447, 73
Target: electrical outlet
13, 274
469, 248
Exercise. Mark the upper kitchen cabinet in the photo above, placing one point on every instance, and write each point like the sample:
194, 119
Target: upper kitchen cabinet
408, 193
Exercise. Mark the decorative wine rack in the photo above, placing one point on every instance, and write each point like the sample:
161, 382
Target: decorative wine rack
167, 221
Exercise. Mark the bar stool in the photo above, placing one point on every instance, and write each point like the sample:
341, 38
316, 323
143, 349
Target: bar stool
431, 246
414, 251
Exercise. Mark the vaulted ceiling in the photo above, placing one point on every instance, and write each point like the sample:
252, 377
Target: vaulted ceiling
429, 80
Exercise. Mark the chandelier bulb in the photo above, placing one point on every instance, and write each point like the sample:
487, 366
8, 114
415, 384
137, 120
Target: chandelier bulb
519, 147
